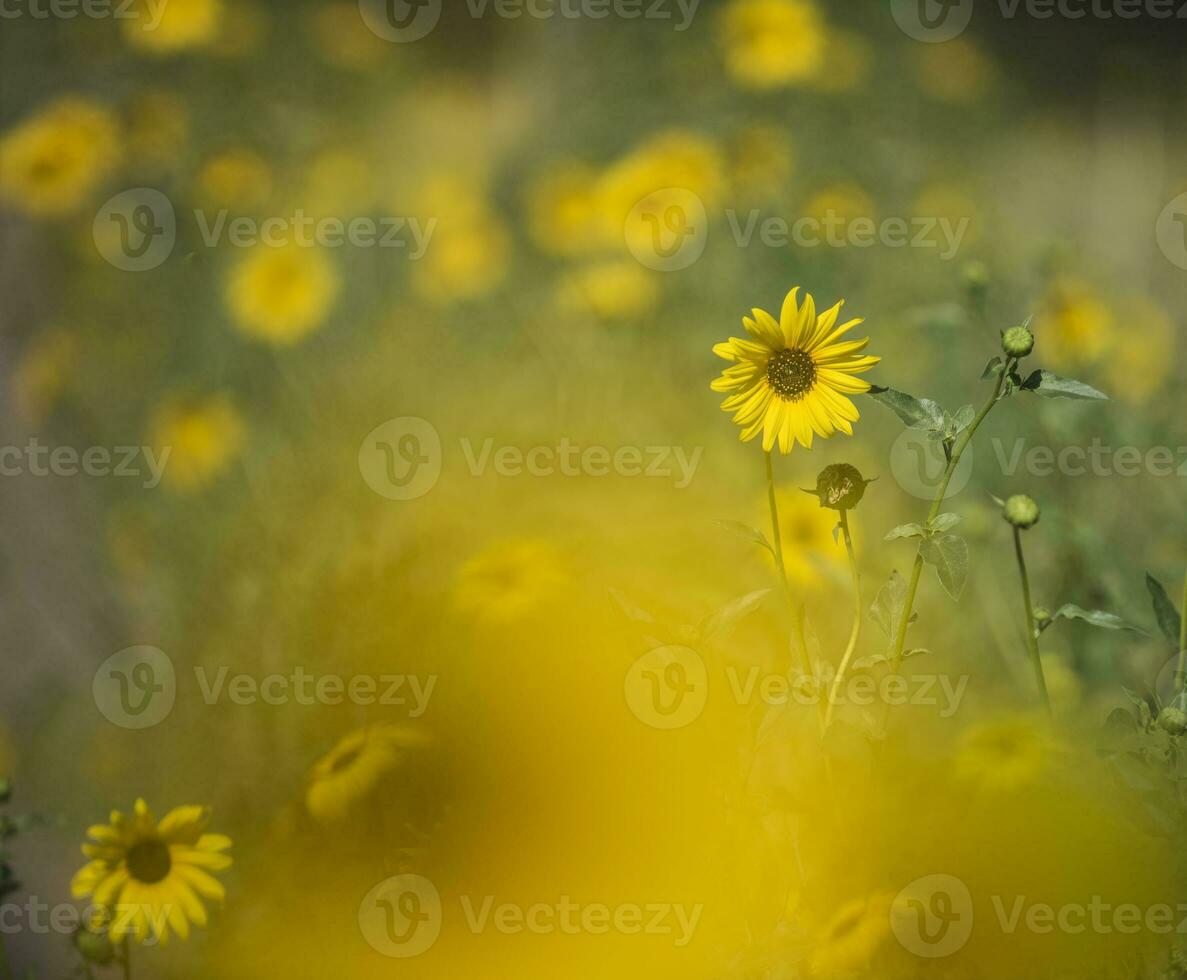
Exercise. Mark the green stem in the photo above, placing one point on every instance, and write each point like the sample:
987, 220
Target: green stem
1182, 676
126, 960
855, 632
797, 612
5, 966
1032, 639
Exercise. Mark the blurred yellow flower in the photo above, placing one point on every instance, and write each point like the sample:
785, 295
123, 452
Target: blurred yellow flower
157, 129
52, 163
152, 876
563, 210
955, 71
204, 436
851, 939
282, 294
840, 202
43, 371
773, 43
792, 378
163, 29
1074, 324
807, 532
342, 37
464, 261
236, 179
1135, 373
346, 778
1006, 754
950, 203
613, 290
509, 580
673, 159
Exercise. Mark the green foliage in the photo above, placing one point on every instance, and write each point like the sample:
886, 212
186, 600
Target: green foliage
1164, 610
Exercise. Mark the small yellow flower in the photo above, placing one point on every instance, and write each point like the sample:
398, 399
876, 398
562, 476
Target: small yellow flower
562, 209
203, 435
806, 528
1074, 325
851, 939
792, 379
1006, 754
163, 29
52, 163
282, 294
348, 776
773, 43
509, 580
152, 876
614, 290
836, 205
1138, 372
43, 371
236, 179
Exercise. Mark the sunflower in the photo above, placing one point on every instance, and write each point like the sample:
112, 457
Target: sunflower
150, 875
791, 379
354, 768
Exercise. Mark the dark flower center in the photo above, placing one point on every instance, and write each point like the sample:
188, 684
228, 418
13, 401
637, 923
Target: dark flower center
149, 861
791, 374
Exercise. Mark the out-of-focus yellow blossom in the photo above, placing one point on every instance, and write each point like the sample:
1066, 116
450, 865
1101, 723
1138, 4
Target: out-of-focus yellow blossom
563, 209
509, 580
1063, 683
342, 37
244, 26
841, 203
851, 939
346, 779
164, 29
1074, 325
614, 290
773, 43
761, 162
849, 58
204, 436
1006, 754
236, 179
152, 876
807, 532
43, 371
1136, 372
282, 294
955, 206
955, 71
51, 163
157, 129
339, 183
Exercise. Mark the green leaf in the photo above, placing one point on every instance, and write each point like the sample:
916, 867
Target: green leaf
747, 533
906, 531
889, 605
993, 369
1095, 617
950, 556
1053, 386
962, 420
732, 612
943, 522
1164, 610
914, 412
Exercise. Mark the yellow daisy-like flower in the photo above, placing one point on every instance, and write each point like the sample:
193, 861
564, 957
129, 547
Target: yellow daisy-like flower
508, 580
204, 436
347, 777
152, 876
174, 26
851, 938
792, 378
773, 43
282, 294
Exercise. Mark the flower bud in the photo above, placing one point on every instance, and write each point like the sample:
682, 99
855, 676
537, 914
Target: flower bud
840, 487
1021, 511
1172, 720
1018, 341
5, 789
94, 947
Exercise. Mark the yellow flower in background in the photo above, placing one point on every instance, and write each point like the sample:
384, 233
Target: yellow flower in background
792, 379
563, 209
614, 290
839, 204
342, 37
851, 939
1074, 324
761, 161
809, 546
43, 371
166, 28
237, 179
153, 876
52, 163
955, 71
282, 294
1006, 754
204, 436
773, 43
953, 205
157, 129
346, 778
1135, 373
509, 580
674, 159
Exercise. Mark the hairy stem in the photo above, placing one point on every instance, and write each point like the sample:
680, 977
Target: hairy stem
1032, 639
857, 612
1181, 679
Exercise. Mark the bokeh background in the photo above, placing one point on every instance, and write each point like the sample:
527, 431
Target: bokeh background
525, 143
